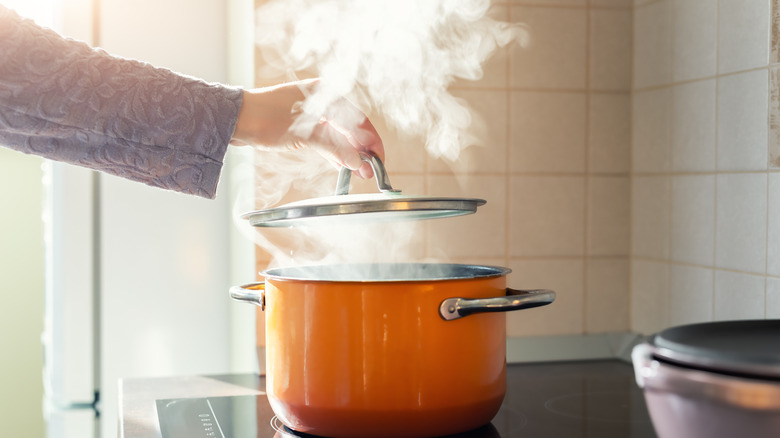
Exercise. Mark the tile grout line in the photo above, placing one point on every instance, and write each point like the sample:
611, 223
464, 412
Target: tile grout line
773, 5
715, 202
631, 174
586, 188
694, 265
670, 151
540, 4
717, 75
508, 152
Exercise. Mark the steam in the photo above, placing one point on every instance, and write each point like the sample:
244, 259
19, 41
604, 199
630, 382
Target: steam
294, 175
394, 59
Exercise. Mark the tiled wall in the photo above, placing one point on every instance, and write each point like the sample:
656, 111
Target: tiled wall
565, 172
705, 200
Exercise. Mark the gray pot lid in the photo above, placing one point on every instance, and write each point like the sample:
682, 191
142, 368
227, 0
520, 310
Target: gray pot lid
749, 348
387, 205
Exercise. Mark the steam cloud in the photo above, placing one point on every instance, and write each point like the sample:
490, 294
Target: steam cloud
392, 58
395, 57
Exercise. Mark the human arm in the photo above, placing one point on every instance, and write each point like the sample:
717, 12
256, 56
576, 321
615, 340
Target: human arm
64, 100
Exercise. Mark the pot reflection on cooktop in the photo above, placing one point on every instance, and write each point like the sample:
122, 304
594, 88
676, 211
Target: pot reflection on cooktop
557, 399
282, 431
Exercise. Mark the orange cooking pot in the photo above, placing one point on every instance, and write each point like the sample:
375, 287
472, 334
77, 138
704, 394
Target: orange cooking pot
386, 350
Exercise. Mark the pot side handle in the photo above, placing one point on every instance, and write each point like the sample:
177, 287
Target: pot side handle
454, 308
251, 293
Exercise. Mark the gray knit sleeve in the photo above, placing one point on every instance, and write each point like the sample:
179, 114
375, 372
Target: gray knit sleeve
64, 100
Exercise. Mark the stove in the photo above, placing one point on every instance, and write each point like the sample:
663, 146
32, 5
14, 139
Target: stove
554, 399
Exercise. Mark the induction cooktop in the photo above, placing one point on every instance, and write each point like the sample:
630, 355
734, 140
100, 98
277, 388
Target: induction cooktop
556, 399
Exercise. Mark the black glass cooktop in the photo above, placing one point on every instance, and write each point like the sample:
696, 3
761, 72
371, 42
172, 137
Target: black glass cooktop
598, 399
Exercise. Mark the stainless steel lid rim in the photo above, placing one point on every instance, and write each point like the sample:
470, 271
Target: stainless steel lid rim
743, 347
391, 203
722, 366
433, 209
430, 203
661, 377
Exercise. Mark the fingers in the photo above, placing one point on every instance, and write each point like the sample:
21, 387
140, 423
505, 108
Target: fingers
350, 132
334, 144
275, 116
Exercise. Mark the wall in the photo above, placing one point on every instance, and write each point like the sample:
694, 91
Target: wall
153, 265
552, 162
22, 272
566, 175
164, 255
21, 315
705, 189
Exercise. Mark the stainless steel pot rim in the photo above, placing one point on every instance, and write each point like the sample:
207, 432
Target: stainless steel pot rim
384, 272
749, 348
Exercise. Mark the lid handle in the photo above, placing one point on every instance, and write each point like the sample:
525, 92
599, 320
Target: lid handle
382, 181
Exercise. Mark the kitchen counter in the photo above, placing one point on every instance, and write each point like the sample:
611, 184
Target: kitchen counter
137, 398
569, 398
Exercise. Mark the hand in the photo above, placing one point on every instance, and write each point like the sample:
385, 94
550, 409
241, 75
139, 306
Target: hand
274, 117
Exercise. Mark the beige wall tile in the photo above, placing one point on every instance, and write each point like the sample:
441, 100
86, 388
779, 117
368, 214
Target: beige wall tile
743, 34
610, 49
550, 2
403, 153
650, 217
556, 56
475, 260
773, 226
488, 133
652, 45
741, 222
651, 126
742, 121
774, 118
649, 295
644, 2
494, 69
772, 298
693, 219
565, 315
613, 3
546, 216
738, 296
695, 39
774, 31
609, 216
691, 295
359, 185
408, 184
547, 132
482, 234
693, 126
607, 300
609, 133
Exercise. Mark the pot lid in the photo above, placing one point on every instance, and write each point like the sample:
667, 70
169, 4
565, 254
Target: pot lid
387, 205
748, 348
